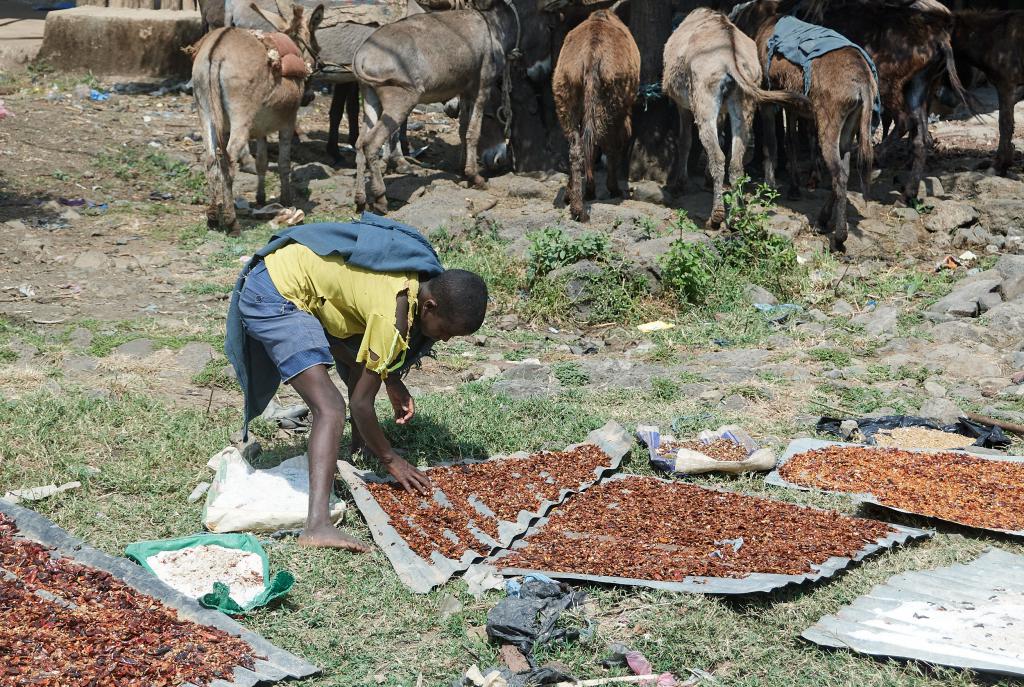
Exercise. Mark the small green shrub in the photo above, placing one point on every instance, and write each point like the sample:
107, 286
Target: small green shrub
664, 389
550, 249
570, 374
831, 355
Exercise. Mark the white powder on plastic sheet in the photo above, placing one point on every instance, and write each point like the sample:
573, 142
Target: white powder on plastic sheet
960, 627
193, 571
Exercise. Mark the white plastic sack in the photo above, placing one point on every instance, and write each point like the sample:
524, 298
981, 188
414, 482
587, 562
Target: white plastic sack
244, 499
690, 462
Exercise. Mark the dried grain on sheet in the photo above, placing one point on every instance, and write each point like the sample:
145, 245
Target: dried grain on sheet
952, 486
478, 495
720, 449
69, 625
921, 437
194, 570
648, 529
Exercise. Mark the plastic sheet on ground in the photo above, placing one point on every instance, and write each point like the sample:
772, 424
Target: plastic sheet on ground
422, 575
984, 435
755, 583
965, 616
275, 665
689, 462
803, 445
219, 595
244, 498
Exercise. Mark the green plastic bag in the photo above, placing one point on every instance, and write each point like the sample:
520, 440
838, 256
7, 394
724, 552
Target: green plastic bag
220, 597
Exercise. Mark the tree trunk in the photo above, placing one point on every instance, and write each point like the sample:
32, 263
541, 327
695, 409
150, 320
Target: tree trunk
537, 142
654, 118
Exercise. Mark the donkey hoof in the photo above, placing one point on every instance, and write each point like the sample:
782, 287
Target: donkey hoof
380, 205
478, 182
837, 245
234, 229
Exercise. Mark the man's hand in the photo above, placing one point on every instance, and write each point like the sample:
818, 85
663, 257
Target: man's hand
401, 400
406, 475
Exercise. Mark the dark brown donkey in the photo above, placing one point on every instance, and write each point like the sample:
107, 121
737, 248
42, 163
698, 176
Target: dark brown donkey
994, 43
595, 83
842, 92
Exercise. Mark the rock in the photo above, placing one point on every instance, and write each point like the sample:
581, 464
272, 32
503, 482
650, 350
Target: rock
229, 372
811, 328
70, 215
779, 342
1006, 320
92, 260
1010, 266
906, 214
139, 348
757, 294
647, 191
519, 186
940, 409
949, 215
80, 363
712, 397
194, 356
1002, 214
881, 321
934, 389
490, 372
1012, 288
965, 300
848, 427
930, 187
507, 323
735, 402
967, 237
149, 42
841, 307
80, 337
989, 301
16, 225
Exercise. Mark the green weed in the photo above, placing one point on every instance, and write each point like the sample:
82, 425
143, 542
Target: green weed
570, 374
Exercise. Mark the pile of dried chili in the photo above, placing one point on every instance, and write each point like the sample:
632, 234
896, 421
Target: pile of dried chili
951, 486
479, 495
647, 529
63, 624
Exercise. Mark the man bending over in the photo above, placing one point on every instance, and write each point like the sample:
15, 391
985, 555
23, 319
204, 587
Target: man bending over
369, 296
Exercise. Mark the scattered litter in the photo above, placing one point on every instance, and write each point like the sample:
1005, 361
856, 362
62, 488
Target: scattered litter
639, 664
529, 620
244, 258
71, 202
98, 96
778, 313
665, 456
864, 430
655, 326
37, 320
482, 578
288, 217
27, 291
4, 112
243, 498
294, 417
967, 256
161, 195
198, 492
229, 572
39, 493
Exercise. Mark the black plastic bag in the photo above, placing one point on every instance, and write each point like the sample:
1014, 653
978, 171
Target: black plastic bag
529, 620
984, 435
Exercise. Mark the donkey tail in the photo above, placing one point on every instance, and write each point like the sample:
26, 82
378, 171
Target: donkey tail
865, 141
766, 97
592, 121
954, 78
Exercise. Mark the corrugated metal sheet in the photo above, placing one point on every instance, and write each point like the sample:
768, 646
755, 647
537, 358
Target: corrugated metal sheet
756, 583
801, 445
421, 575
278, 664
965, 616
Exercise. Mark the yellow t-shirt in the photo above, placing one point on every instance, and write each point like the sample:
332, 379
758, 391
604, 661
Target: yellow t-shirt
347, 300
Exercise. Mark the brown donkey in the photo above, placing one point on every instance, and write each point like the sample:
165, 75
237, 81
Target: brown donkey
994, 43
247, 85
843, 92
595, 83
709, 63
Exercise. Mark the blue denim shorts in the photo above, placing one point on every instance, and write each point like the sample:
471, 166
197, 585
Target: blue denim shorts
294, 339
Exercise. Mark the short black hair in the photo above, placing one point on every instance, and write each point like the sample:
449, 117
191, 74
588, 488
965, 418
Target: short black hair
462, 298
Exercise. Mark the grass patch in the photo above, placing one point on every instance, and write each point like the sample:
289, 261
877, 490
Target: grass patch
213, 376
664, 389
570, 374
837, 357
109, 335
205, 288
154, 168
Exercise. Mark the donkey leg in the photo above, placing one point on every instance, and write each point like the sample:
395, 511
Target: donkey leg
1004, 156
614, 154
284, 162
261, 171
338, 102
228, 219
769, 144
395, 104
741, 116
829, 142
575, 189
371, 116
472, 141
681, 165
792, 161
705, 111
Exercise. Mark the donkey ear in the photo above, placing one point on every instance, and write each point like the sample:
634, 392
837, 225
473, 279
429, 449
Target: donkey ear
277, 22
316, 18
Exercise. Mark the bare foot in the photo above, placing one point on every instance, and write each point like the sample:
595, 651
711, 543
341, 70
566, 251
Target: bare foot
331, 537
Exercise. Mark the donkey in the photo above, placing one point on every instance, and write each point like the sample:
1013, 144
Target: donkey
428, 58
843, 92
595, 84
994, 43
710, 63
248, 84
